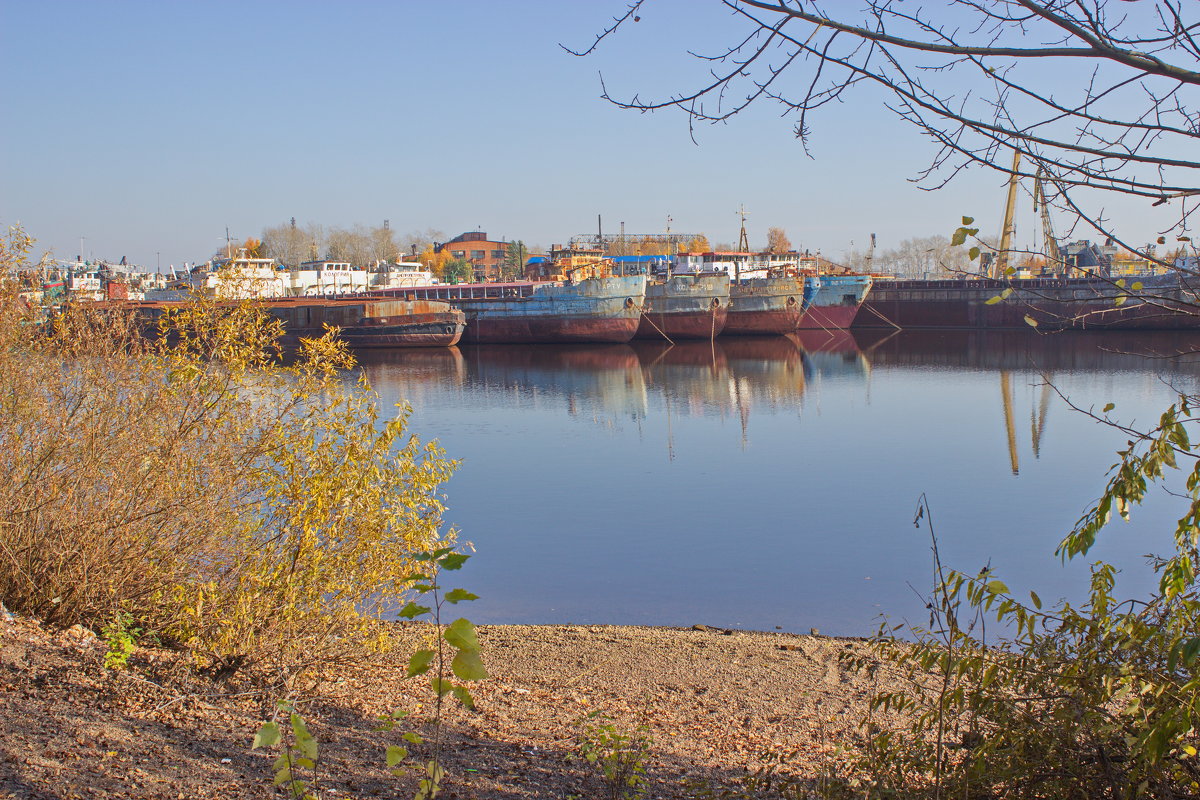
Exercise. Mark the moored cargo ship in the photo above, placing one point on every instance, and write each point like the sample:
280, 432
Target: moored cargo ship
770, 305
831, 302
1153, 302
600, 309
685, 307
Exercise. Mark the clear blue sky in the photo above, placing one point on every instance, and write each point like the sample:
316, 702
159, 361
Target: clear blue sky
148, 127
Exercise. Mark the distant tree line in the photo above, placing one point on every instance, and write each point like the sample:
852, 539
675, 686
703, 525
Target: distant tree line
361, 246
918, 257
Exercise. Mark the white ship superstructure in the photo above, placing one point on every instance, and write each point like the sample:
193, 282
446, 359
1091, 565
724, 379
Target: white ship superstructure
242, 276
738, 265
401, 275
322, 278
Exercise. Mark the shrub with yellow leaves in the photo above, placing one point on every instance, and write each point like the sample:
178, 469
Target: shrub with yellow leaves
260, 510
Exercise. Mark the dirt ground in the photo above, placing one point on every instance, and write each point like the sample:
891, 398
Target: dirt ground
712, 701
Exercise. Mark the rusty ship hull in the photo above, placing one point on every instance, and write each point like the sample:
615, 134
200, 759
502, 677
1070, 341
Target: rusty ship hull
377, 323
764, 306
590, 310
361, 323
1160, 302
831, 302
685, 307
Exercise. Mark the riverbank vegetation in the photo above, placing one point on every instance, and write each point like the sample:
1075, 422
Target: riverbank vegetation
263, 513
1096, 700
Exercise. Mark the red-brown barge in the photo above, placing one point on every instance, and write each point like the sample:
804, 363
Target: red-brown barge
1154, 302
372, 323
361, 322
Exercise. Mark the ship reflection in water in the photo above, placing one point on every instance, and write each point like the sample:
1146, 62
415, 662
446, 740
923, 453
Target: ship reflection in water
763, 482
618, 380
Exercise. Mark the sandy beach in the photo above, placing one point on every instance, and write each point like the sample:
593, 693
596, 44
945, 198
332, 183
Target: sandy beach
711, 701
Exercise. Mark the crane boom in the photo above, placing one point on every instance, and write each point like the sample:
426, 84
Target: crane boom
1054, 259
1010, 209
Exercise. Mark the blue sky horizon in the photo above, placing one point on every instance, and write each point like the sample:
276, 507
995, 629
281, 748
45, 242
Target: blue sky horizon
144, 130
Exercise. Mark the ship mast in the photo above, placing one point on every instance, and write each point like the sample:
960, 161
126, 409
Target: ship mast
743, 244
669, 247
1006, 235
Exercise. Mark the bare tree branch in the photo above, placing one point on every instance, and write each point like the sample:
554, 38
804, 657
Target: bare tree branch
981, 78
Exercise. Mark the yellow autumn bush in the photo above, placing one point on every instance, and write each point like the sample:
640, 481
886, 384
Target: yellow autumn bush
259, 510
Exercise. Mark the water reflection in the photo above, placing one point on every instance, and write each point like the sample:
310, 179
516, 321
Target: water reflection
586, 378
1029, 363
763, 482
606, 377
417, 375
1137, 351
697, 377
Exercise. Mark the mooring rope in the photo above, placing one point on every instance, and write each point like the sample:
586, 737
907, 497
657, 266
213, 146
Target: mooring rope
877, 313
646, 316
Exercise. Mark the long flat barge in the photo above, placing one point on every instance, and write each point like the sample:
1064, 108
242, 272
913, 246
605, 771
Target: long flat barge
1156, 302
373, 323
361, 322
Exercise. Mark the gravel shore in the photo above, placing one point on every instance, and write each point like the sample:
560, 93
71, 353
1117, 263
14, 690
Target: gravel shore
712, 702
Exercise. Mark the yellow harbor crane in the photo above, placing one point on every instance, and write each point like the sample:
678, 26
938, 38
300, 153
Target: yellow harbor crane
1054, 259
1000, 264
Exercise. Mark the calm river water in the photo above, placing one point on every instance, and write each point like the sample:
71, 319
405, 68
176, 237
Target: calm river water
772, 483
